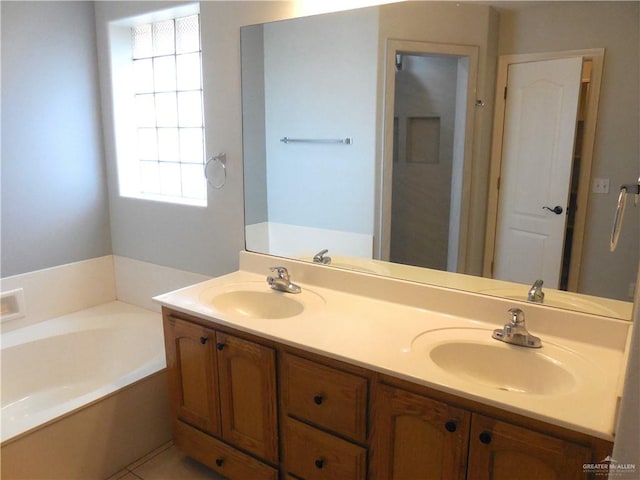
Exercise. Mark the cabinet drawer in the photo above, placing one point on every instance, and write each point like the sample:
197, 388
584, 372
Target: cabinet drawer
220, 457
326, 397
315, 455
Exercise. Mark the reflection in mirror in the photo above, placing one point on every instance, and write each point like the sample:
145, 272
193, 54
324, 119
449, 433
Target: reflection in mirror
433, 101
416, 185
543, 141
423, 132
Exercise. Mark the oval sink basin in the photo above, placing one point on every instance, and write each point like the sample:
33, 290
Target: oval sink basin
503, 368
258, 300
471, 355
257, 304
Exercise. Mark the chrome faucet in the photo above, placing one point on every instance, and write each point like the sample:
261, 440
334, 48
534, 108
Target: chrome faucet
515, 332
320, 258
535, 292
282, 282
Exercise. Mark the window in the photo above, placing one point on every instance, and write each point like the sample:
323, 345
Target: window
158, 109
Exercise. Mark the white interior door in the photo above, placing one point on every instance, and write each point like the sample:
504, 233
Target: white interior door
539, 130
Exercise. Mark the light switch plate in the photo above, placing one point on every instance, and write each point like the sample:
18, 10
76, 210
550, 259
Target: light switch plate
600, 185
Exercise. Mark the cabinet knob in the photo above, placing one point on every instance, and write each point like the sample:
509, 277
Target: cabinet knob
319, 463
219, 461
220, 346
485, 437
451, 426
204, 340
318, 399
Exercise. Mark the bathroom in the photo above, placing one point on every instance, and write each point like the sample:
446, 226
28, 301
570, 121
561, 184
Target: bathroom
66, 193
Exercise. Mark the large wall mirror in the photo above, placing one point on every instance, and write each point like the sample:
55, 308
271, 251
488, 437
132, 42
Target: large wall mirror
374, 140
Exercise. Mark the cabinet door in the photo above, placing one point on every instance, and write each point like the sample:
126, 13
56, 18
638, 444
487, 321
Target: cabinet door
248, 396
501, 451
417, 438
192, 373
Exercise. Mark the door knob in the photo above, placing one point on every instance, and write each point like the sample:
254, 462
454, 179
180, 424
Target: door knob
557, 209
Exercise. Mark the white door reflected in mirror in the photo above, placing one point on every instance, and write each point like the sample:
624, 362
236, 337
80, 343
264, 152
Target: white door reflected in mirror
540, 123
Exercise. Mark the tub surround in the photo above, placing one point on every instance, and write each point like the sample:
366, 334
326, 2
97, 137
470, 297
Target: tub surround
371, 322
60, 290
57, 291
137, 281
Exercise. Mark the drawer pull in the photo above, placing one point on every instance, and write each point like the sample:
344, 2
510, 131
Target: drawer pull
319, 463
451, 426
203, 340
220, 346
318, 399
219, 461
485, 437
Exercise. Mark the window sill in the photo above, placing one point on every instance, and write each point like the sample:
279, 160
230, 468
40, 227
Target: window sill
193, 202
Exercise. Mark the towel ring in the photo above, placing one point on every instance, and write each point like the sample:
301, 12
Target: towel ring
215, 171
617, 220
625, 190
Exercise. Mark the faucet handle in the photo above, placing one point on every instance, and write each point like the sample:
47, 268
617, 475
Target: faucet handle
281, 271
517, 316
535, 292
319, 257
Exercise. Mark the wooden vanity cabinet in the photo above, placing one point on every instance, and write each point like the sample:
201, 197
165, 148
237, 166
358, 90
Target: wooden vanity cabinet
341, 422
222, 391
418, 438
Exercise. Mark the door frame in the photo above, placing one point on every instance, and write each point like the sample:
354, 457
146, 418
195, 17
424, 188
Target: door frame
382, 236
596, 55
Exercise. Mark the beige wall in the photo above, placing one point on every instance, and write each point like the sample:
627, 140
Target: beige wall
556, 26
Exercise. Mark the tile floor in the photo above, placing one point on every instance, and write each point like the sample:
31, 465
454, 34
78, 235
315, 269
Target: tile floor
166, 463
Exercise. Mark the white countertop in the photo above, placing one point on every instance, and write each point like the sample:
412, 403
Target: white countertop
379, 335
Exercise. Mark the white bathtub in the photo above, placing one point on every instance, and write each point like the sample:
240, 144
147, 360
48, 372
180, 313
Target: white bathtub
84, 394
56, 366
